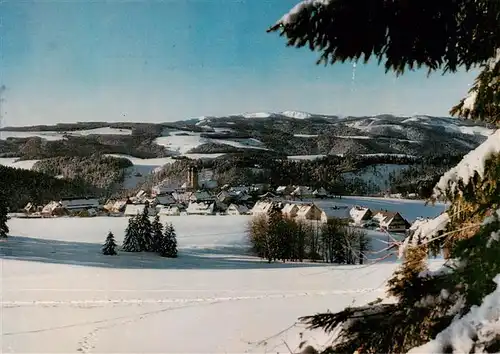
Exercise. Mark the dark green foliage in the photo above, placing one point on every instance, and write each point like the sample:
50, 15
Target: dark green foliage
157, 232
145, 230
109, 248
97, 170
4, 229
169, 242
79, 146
392, 32
22, 186
342, 244
132, 241
333, 241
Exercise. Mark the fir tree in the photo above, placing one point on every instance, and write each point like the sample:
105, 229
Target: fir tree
157, 229
145, 230
109, 248
457, 33
169, 242
4, 229
132, 241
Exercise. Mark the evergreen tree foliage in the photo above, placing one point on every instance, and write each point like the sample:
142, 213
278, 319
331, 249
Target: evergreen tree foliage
439, 35
157, 229
109, 248
145, 230
132, 241
4, 229
169, 242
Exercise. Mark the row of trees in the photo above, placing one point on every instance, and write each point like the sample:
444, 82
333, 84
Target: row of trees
142, 235
278, 237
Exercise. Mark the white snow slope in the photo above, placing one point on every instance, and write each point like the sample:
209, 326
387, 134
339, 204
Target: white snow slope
60, 295
48, 135
181, 142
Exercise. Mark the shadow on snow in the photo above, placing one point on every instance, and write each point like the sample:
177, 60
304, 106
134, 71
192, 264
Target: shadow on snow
89, 254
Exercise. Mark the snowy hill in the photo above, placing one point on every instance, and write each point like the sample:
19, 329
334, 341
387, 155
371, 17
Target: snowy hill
297, 135
60, 294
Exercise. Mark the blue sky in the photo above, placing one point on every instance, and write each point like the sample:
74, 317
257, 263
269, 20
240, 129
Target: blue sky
156, 61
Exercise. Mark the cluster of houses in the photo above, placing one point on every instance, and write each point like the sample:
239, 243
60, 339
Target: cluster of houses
356, 216
195, 198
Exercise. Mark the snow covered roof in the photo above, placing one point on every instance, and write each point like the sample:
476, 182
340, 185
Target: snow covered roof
357, 213
201, 196
320, 191
79, 203
473, 162
262, 207
165, 199
240, 208
134, 209
289, 208
341, 212
302, 190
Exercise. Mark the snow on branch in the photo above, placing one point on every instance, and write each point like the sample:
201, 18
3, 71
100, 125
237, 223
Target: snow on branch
470, 333
422, 231
291, 17
483, 100
473, 162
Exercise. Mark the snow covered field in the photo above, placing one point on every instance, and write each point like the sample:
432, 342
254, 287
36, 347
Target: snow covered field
60, 295
15, 163
48, 135
181, 142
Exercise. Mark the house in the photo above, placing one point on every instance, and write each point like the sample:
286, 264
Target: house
290, 210
182, 198
163, 188
335, 212
282, 190
302, 192
225, 197
119, 206
138, 209
53, 209
262, 208
360, 215
200, 208
309, 212
30, 208
390, 221
201, 196
234, 209
268, 195
169, 210
320, 193
79, 204
165, 200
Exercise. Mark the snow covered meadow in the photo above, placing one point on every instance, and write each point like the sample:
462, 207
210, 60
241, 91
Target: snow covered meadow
60, 295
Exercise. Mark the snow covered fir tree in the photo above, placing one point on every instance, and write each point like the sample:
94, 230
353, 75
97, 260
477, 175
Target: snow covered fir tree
157, 233
145, 230
168, 247
457, 308
132, 241
109, 247
4, 229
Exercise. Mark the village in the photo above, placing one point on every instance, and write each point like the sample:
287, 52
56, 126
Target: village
200, 196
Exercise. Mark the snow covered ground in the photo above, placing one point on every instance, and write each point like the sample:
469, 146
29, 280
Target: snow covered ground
181, 142
48, 135
60, 295
16, 163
